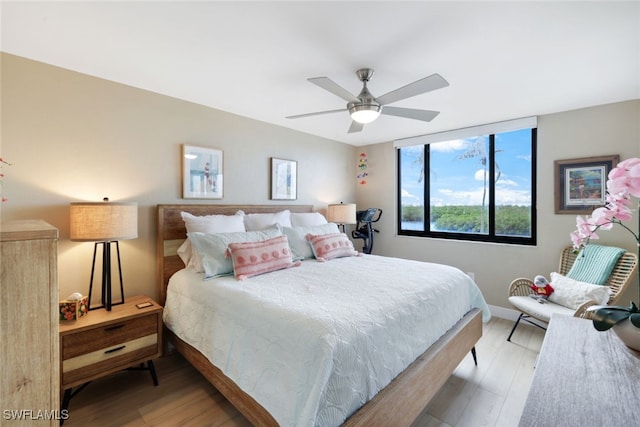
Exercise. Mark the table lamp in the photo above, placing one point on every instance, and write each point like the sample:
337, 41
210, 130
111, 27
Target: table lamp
342, 214
104, 223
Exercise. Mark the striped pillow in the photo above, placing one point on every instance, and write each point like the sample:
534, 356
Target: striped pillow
329, 246
595, 263
253, 258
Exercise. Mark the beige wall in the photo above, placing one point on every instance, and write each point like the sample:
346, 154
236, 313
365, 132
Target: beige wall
602, 130
72, 137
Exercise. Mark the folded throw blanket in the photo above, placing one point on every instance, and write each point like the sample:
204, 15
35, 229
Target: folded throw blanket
595, 263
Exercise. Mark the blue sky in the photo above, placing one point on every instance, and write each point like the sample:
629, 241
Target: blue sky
459, 181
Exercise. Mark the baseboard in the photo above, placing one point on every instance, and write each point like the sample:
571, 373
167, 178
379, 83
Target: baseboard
504, 313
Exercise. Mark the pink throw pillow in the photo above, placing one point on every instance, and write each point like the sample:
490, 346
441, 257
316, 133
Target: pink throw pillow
254, 258
329, 246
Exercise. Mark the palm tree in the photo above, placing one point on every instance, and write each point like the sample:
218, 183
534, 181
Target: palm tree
478, 149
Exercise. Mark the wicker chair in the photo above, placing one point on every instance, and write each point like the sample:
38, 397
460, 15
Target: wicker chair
618, 281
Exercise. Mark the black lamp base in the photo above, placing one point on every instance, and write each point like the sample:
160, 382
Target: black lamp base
107, 302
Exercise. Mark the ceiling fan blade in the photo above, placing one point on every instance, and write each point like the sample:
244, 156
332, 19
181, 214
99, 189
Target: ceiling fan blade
355, 127
410, 113
433, 82
327, 84
297, 116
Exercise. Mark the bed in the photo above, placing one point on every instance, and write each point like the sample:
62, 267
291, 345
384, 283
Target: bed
406, 385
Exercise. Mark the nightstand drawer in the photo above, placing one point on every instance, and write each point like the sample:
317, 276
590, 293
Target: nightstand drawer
103, 337
110, 352
106, 359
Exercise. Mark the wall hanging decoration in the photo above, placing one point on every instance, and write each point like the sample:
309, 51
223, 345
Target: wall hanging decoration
283, 179
580, 183
362, 167
2, 163
201, 172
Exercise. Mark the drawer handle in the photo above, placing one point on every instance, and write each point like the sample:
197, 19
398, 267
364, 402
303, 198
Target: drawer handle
113, 350
113, 328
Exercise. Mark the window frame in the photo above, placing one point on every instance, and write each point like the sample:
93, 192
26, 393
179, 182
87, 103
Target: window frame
490, 237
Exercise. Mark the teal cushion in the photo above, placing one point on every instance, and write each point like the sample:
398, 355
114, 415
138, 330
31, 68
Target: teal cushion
595, 263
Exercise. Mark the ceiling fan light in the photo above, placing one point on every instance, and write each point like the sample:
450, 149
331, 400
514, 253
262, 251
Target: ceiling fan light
364, 113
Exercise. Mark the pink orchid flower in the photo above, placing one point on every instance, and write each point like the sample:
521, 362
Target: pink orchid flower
602, 217
576, 239
623, 183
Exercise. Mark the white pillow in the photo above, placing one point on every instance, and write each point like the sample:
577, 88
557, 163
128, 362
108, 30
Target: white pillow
307, 219
572, 293
213, 247
300, 246
213, 223
206, 224
189, 257
262, 221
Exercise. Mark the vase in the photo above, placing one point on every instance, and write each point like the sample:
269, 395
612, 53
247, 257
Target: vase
628, 333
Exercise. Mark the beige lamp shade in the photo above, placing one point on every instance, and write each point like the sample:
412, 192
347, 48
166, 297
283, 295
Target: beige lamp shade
103, 221
343, 213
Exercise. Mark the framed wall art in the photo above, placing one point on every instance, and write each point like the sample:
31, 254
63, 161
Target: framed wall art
580, 184
202, 171
284, 175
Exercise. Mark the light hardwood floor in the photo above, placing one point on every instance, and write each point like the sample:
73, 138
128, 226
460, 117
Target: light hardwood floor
491, 394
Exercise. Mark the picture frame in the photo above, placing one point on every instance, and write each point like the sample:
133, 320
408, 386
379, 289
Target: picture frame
284, 177
202, 172
580, 184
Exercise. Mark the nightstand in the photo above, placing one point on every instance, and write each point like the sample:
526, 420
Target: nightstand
104, 342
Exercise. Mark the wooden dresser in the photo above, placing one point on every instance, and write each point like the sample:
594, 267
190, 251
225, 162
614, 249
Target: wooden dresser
29, 358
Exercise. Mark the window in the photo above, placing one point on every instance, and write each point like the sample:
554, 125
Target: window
479, 184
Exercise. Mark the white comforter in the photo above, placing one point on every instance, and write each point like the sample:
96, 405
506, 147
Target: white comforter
313, 343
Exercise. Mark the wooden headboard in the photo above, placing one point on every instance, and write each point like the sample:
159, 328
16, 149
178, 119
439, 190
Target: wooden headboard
172, 232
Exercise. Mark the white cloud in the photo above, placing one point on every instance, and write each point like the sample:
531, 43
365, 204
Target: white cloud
502, 182
405, 194
479, 175
514, 197
410, 199
466, 197
474, 196
449, 146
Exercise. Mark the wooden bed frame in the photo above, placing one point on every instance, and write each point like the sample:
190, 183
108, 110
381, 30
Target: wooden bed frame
398, 404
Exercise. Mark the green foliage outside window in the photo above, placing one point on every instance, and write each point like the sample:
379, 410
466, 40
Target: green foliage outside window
510, 220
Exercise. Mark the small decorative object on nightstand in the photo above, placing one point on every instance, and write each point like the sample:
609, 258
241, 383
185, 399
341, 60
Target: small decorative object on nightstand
73, 307
109, 341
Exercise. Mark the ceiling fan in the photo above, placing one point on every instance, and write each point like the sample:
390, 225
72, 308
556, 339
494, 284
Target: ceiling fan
365, 108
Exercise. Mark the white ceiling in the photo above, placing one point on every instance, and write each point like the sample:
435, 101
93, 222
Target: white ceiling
503, 60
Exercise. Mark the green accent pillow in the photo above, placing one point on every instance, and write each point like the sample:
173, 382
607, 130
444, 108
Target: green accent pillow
595, 263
